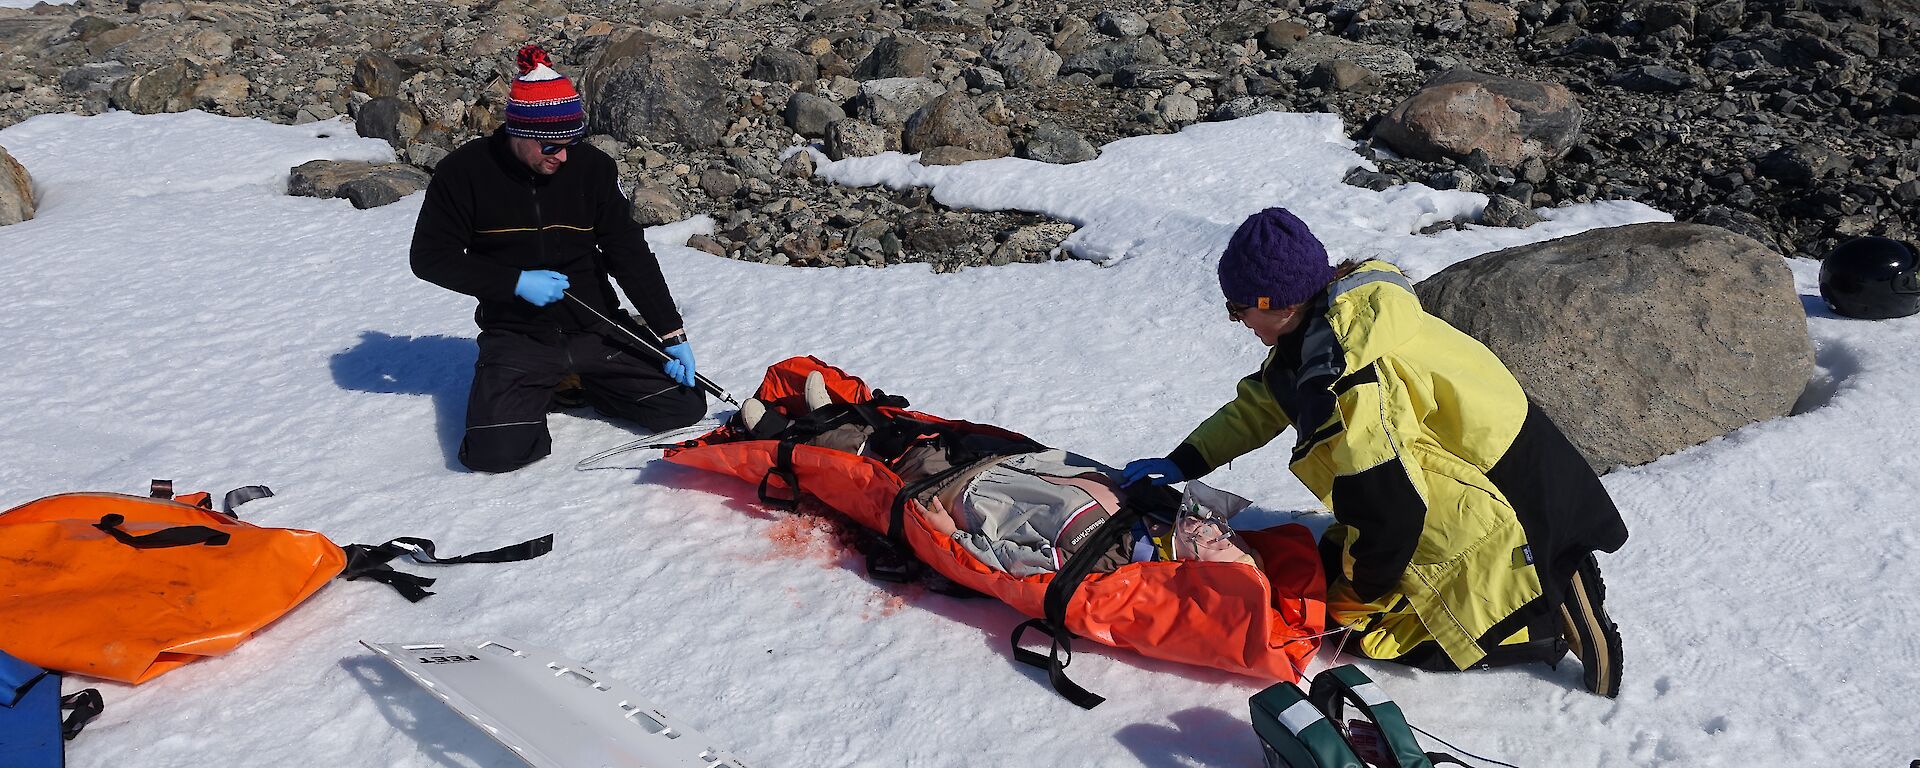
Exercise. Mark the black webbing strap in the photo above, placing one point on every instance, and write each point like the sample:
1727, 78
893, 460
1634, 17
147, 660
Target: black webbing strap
1060, 595
86, 705
783, 469
367, 561
160, 489
242, 495
178, 536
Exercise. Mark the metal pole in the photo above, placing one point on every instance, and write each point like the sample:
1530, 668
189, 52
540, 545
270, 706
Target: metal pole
698, 378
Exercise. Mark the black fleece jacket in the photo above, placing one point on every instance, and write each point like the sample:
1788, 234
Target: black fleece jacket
487, 217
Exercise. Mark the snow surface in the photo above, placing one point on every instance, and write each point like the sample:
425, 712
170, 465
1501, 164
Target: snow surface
31, 3
171, 313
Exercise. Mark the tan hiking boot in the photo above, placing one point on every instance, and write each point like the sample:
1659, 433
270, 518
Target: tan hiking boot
1590, 634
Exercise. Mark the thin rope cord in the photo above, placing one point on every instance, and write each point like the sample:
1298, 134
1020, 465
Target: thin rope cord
1450, 745
1335, 661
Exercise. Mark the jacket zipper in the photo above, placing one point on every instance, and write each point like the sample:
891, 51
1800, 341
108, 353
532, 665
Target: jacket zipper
540, 238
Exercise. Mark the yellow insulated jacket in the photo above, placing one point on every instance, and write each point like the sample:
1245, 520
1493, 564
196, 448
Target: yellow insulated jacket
1453, 495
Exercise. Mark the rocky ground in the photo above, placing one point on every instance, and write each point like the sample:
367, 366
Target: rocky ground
1796, 122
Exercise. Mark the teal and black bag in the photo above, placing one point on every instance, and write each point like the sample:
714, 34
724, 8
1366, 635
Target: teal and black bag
1307, 730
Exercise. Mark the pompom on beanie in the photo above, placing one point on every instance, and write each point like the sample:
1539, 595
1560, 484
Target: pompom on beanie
1273, 261
542, 104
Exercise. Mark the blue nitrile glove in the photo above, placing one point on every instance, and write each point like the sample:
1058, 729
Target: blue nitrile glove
540, 287
1140, 469
681, 366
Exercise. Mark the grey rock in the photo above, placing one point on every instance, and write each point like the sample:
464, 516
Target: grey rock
756, 165
389, 118
809, 115
93, 76
1248, 106
948, 155
1177, 108
951, 120
1051, 142
798, 165
1801, 164
1108, 58
855, 138
1503, 211
656, 204
167, 88
1737, 221
897, 55
1155, 76
1641, 340
16, 191
366, 185
1240, 26
783, 65
1491, 18
377, 74
1365, 179
1341, 75
425, 156
1460, 111
1022, 58
1309, 53
985, 79
641, 88
1121, 23
1281, 36
890, 101
1652, 78
719, 183
1456, 179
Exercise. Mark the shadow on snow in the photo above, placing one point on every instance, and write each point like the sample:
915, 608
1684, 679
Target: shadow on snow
440, 366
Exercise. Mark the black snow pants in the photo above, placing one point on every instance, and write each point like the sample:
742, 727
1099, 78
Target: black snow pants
513, 383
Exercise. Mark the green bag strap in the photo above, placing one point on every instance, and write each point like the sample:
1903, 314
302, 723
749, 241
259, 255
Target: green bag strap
1339, 686
1296, 734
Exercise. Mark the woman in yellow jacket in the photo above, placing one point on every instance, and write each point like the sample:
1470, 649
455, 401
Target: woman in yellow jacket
1465, 522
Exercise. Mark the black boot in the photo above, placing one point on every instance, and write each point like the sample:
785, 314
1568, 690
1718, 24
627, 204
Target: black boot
1590, 633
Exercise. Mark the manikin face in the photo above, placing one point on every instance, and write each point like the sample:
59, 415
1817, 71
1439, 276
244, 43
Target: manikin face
530, 152
1268, 324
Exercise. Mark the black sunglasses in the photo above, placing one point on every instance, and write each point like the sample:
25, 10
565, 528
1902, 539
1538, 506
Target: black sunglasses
1237, 310
554, 149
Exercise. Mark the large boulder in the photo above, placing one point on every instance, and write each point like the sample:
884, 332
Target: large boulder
890, 101
16, 191
643, 88
389, 117
1638, 340
1108, 58
855, 138
1023, 58
377, 74
1460, 111
897, 55
1303, 56
809, 115
952, 121
783, 65
366, 185
169, 87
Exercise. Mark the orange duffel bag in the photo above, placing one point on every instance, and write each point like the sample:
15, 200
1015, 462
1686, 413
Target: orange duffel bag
1229, 616
127, 588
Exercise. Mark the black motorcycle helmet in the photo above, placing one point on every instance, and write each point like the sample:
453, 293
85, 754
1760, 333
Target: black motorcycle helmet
1871, 278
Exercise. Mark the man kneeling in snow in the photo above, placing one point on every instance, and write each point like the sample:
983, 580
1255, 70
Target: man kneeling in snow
516, 218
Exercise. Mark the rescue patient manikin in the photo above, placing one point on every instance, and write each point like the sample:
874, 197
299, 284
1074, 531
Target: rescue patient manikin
1021, 510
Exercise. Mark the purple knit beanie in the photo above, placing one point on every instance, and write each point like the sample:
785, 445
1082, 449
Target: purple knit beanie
1273, 261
